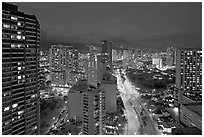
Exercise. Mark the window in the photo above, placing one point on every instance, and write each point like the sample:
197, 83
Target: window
6, 94
7, 108
13, 45
13, 18
19, 77
18, 36
14, 27
33, 96
19, 24
5, 35
20, 45
20, 112
19, 32
6, 26
13, 36
19, 68
14, 105
7, 122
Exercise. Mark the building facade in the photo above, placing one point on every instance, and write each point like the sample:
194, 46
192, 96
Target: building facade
157, 62
91, 66
171, 56
87, 103
188, 73
63, 63
188, 93
109, 84
20, 72
94, 111
106, 52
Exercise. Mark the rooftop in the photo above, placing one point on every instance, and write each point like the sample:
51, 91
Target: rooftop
195, 107
187, 131
189, 49
109, 79
81, 87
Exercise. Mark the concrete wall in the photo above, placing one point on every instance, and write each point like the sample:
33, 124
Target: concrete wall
110, 96
75, 104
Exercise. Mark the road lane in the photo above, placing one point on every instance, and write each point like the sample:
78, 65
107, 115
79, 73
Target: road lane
150, 128
133, 123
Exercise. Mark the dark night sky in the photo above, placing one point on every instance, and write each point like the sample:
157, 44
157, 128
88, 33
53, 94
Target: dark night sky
137, 25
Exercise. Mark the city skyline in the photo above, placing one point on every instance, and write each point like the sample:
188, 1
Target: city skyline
134, 25
110, 88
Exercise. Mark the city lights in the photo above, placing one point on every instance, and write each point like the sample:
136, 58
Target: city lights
63, 75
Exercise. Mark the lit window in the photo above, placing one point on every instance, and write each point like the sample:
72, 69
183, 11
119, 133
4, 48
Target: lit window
13, 18
19, 68
14, 105
33, 96
20, 45
19, 77
18, 36
7, 108
20, 112
6, 94
6, 26
13, 36
14, 27
19, 24
19, 32
23, 37
7, 122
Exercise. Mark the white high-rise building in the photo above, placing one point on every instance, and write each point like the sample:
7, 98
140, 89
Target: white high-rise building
87, 102
157, 62
63, 63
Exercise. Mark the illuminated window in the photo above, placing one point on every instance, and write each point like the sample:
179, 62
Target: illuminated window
33, 96
14, 27
14, 105
19, 77
20, 46
20, 112
6, 109
13, 36
6, 94
6, 26
19, 32
19, 68
18, 36
23, 37
13, 18
19, 24
7, 122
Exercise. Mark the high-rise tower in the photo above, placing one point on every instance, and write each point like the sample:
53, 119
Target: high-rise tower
188, 73
20, 72
63, 65
106, 52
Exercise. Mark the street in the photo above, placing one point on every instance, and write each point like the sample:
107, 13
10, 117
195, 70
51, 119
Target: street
136, 123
